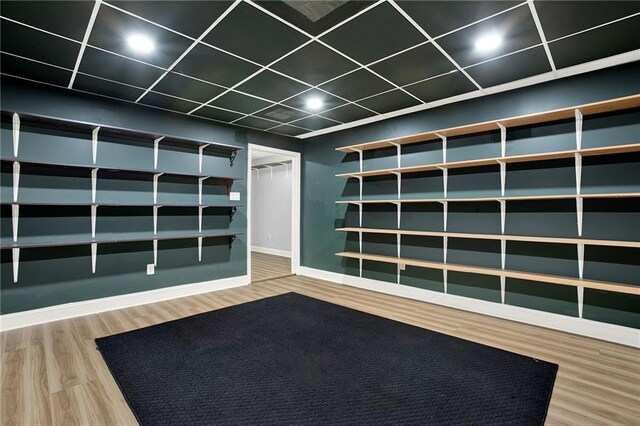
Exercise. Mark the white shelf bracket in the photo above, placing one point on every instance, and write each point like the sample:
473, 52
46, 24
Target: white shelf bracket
579, 211
94, 214
503, 177
503, 140
16, 134
16, 263
199, 249
398, 153
16, 180
156, 145
444, 147
94, 144
399, 182
202, 179
94, 257
578, 173
503, 215
94, 184
200, 218
399, 267
361, 159
360, 179
503, 288
445, 180
155, 252
155, 187
445, 209
578, 129
360, 241
200, 150
580, 300
155, 219
15, 218
399, 213
580, 260
444, 280
503, 253
445, 245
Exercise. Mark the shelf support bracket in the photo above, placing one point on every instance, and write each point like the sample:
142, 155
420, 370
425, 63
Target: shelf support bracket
445, 205
94, 257
399, 266
94, 184
229, 185
580, 289
94, 144
200, 208
503, 140
232, 157
155, 219
444, 280
200, 180
155, 187
579, 211
155, 252
503, 288
578, 173
444, 147
445, 180
156, 145
234, 209
232, 238
200, 154
199, 249
399, 182
16, 134
578, 129
503, 177
503, 215
445, 245
15, 218
16, 180
94, 214
16, 263
360, 158
398, 153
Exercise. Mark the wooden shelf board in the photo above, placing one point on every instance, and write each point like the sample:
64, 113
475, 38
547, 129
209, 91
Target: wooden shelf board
487, 199
609, 150
524, 238
532, 276
546, 116
29, 203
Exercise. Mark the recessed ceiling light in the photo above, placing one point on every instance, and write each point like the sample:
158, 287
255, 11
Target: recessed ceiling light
488, 42
314, 103
140, 43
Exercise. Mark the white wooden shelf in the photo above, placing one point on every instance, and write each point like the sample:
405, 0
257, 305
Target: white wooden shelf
485, 199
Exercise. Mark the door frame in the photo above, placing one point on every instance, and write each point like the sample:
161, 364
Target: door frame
295, 203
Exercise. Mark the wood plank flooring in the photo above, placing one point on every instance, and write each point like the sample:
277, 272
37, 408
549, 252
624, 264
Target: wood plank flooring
53, 375
265, 266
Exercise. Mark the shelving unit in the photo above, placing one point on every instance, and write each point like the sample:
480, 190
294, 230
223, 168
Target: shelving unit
502, 126
89, 167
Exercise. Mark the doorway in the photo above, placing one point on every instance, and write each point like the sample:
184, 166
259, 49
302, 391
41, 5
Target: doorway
273, 228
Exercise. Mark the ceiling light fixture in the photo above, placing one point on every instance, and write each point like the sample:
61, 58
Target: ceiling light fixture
314, 103
140, 43
488, 42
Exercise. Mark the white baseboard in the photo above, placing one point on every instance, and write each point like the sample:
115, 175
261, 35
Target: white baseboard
88, 307
583, 327
275, 252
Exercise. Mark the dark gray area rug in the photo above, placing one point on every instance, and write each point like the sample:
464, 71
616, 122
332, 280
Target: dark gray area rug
292, 359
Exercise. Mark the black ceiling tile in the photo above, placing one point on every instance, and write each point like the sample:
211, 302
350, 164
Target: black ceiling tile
377, 33
357, 85
187, 17
439, 17
270, 85
347, 113
314, 122
238, 102
102, 87
252, 34
281, 113
256, 122
314, 64
596, 44
66, 18
113, 67
516, 27
442, 87
33, 44
34, 71
300, 101
188, 88
167, 102
560, 18
289, 130
214, 66
414, 65
112, 27
217, 114
510, 68
390, 101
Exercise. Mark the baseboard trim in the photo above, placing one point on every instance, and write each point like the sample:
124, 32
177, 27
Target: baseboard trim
275, 252
583, 327
94, 306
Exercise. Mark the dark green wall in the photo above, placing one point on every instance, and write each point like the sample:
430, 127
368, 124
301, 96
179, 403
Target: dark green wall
613, 219
51, 276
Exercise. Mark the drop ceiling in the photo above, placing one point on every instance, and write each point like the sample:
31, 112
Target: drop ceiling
256, 63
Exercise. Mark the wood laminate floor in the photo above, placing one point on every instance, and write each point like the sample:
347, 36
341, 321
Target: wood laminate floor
265, 266
52, 373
